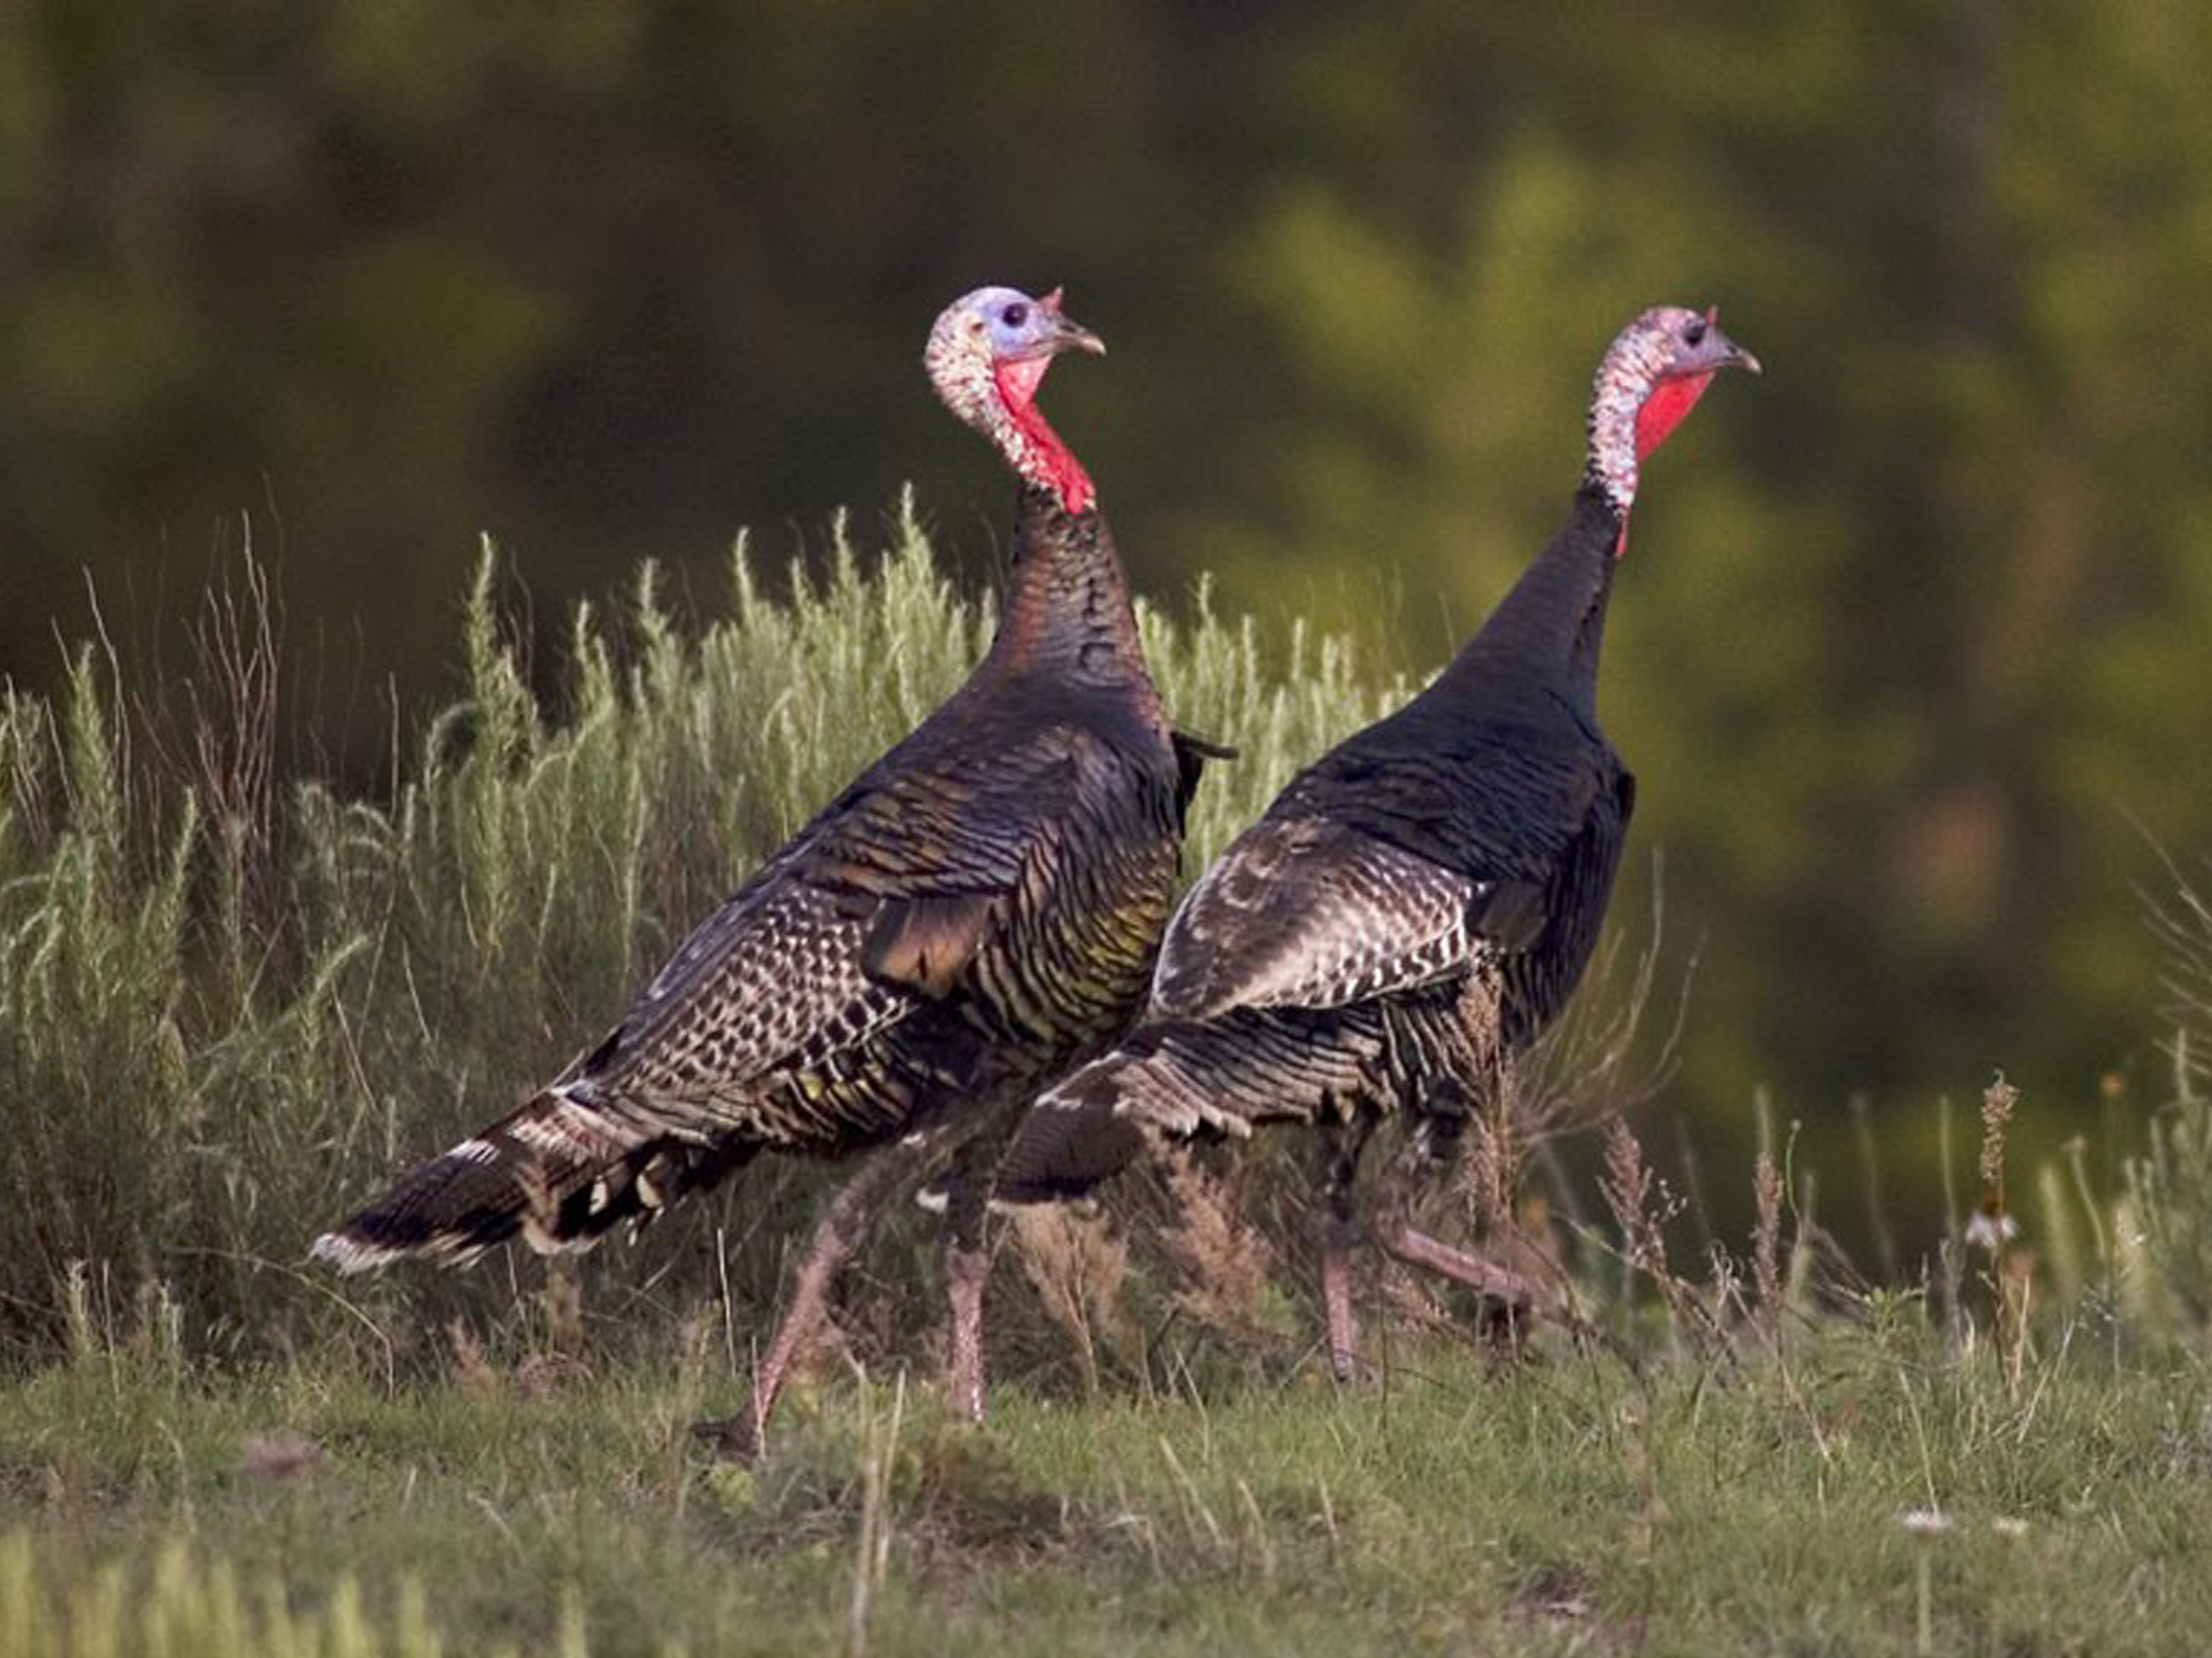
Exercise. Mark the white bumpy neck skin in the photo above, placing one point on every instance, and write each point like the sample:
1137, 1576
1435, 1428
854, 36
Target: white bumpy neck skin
986, 371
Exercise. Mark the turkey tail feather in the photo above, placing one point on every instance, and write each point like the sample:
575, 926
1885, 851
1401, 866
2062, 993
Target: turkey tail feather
1187, 1081
558, 1173
1074, 1137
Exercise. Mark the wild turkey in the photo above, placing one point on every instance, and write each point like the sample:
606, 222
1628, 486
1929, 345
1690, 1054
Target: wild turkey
976, 912
1417, 904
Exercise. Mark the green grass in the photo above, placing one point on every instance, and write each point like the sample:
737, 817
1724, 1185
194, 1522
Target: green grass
1561, 1505
231, 1005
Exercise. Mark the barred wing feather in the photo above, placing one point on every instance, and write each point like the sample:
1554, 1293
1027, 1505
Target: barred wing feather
1302, 912
874, 910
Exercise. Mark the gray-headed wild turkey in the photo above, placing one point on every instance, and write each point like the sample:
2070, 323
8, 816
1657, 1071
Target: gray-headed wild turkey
976, 912
1418, 904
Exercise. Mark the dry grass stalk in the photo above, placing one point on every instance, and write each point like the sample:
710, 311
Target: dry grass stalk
473, 1373
1640, 1207
872, 1557
1628, 1185
1725, 1277
1077, 1264
561, 1304
1414, 1303
1226, 1262
232, 703
1994, 1228
1593, 1062
1998, 1101
1493, 1164
29, 740
1766, 1245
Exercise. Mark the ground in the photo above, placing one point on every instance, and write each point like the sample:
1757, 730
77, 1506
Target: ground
1874, 1488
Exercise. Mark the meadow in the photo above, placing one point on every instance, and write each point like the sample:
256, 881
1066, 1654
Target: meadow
234, 998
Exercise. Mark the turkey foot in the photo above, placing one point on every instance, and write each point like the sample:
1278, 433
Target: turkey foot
1509, 1300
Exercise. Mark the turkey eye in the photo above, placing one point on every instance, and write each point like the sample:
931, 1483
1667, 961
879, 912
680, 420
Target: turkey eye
1693, 332
1015, 315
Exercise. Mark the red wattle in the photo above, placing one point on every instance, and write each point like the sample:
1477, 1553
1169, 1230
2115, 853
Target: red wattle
1664, 407
1050, 462
1019, 381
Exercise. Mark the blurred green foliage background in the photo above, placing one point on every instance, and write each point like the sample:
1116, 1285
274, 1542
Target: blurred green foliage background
1910, 652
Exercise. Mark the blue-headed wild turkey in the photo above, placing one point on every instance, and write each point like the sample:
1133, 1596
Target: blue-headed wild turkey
976, 912
1417, 904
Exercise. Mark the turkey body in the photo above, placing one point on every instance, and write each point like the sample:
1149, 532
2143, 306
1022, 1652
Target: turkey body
977, 911
1418, 904
1412, 908
979, 908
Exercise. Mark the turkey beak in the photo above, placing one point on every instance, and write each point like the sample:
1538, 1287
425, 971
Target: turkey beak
1070, 336
1726, 352
1066, 334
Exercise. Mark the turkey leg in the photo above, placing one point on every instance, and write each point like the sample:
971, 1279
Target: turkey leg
967, 1257
1336, 1230
844, 1223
